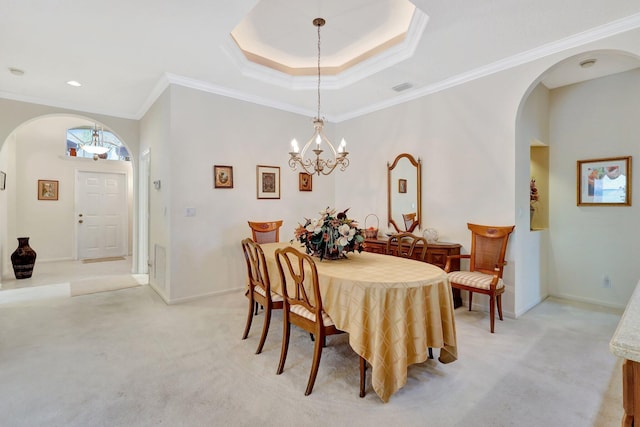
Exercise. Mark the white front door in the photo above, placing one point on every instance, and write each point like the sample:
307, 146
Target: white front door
101, 214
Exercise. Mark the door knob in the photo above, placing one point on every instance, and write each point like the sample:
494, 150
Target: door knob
80, 215
80, 221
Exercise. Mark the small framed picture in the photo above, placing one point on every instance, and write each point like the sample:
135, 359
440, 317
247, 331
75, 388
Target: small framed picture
304, 182
268, 182
3, 180
47, 189
604, 182
402, 185
222, 176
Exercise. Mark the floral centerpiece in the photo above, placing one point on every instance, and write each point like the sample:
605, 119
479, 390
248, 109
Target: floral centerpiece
330, 236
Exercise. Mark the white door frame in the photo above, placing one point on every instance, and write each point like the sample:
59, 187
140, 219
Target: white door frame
141, 244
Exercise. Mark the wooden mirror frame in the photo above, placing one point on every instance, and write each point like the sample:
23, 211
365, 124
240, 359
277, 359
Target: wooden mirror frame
391, 186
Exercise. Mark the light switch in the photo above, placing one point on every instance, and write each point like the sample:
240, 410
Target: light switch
191, 212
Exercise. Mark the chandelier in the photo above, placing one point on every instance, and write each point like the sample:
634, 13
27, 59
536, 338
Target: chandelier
318, 165
97, 146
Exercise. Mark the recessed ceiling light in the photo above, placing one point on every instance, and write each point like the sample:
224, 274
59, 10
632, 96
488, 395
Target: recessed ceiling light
73, 83
16, 71
588, 63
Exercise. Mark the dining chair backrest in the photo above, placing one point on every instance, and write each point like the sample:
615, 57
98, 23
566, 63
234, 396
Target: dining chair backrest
409, 220
265, 231
299, 281
407, 245
488, 248
257, 275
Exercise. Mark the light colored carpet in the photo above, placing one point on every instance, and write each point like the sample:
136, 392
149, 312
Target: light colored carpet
111, 258
102, 284
127, 359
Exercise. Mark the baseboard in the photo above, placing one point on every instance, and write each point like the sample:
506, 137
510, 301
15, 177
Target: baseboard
589, 301
171, 301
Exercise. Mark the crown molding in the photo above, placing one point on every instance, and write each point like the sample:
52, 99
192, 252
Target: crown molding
232, 93
629, 23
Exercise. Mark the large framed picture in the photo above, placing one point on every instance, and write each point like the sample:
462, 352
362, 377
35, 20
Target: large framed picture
268, 182
305, 182
47, 189
604, 182
222, 176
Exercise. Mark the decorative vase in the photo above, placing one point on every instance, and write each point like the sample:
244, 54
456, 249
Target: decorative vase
23, 259
431, 235
332, 255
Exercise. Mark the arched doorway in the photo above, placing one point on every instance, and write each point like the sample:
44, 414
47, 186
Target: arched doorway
580, 110
36, 150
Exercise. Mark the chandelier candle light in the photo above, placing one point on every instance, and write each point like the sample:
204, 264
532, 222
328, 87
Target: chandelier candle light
318, 165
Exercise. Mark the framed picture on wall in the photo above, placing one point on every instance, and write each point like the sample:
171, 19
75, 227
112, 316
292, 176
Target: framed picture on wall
47, 189
222, 176
305, 182
604, 182
268, 182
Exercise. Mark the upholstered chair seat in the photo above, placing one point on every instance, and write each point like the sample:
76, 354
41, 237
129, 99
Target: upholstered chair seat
475, 279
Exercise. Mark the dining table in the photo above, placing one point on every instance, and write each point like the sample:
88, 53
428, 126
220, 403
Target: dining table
394, 309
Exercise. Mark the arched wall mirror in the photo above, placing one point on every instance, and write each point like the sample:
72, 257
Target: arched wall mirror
403, 193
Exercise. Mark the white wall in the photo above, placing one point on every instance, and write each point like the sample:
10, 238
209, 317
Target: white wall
154, 137
36, 151
595, 119
532, 124
207, 130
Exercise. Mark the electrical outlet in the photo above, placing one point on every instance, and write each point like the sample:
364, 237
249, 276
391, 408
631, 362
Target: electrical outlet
606, 281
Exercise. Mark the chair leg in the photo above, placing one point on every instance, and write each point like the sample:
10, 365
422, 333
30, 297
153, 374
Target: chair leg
265, 329
430, 353
492, 311
256, 305
315, 364
499, 301
470, 299
285, 344
363, 375
247, 326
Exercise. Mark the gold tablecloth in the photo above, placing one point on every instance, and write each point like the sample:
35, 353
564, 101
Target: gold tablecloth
392, 308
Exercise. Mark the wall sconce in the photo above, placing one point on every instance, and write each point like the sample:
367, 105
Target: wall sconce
156, 184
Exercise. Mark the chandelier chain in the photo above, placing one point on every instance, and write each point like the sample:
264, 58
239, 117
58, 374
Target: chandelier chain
318, 71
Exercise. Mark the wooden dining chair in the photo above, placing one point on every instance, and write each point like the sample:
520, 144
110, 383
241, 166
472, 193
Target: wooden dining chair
258, 289
409, 221
265, 232
303, 308
407, 245
486, 264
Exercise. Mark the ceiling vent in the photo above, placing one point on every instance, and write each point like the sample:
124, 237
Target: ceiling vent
402, 87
